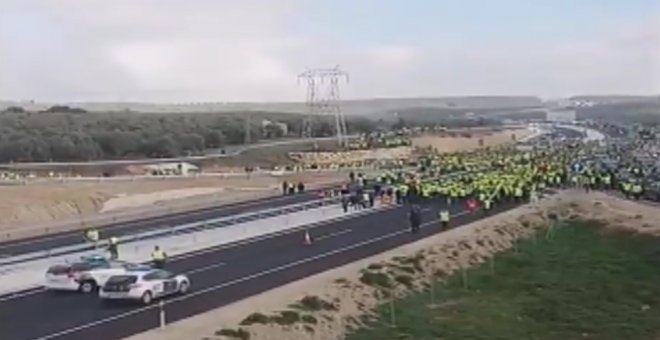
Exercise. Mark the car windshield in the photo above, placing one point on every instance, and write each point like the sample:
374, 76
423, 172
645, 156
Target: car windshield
58, 269
83, 266
122, 279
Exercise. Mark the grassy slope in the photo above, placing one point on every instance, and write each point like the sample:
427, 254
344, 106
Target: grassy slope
583, 284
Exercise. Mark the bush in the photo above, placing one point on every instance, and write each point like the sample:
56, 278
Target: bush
286, 318
234, 333
404, 280
314, 303
376, 279
255, 318
309, 319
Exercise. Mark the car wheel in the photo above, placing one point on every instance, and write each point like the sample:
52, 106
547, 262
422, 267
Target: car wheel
183, 287
87, 287
147, 298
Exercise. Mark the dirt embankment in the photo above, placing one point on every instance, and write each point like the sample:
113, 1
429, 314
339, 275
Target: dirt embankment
324, 306
470, 140
23, 206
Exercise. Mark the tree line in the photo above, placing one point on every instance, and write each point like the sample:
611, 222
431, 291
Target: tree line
76, 135
647, 113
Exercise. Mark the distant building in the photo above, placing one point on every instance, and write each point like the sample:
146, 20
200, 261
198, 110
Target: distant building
561, 115
282, 126
180, 168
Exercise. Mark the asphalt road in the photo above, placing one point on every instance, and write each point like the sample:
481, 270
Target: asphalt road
23, 246
221, 276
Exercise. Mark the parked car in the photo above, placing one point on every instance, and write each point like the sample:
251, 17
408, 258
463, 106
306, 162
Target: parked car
86, 275
144, 285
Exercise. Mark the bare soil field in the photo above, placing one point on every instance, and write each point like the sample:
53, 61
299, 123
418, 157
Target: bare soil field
326, 305
23, 206
459, 141
450, 141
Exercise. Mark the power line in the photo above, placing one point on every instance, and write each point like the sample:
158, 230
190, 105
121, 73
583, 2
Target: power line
323, 99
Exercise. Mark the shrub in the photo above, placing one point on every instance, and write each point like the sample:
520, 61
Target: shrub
286, 318
255, 318
376, 279
234, 333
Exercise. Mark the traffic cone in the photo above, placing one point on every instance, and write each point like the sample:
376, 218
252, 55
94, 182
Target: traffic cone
308, 239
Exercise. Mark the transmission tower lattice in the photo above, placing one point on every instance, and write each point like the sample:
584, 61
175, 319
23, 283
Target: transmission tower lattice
323, 99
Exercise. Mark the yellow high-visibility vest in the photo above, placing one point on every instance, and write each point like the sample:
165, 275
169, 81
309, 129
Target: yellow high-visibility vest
444, 216
158, 255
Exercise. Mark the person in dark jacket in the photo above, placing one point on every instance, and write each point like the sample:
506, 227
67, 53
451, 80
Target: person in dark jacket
415, 216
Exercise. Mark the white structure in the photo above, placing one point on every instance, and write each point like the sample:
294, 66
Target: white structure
180, 168
561, 115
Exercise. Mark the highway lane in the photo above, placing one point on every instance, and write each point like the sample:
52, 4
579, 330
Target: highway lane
18, 247
220, 277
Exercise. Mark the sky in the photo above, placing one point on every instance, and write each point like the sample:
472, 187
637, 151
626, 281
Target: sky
175, 51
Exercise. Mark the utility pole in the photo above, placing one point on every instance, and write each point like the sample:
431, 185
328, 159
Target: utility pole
248, 139
323, 99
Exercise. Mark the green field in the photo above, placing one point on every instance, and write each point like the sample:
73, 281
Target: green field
582, 284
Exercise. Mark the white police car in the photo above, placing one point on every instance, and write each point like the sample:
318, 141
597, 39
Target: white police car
85, 275
144, 285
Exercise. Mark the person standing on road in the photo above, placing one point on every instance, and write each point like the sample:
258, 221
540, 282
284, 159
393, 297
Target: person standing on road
415, 216
444, 218
159, 257
113, 248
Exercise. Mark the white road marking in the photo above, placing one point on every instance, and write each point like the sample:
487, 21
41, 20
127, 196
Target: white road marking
205, 268
238, 281
22, 294
331, 235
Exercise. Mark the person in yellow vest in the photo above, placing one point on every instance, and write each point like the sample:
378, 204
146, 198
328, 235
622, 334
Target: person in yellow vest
92, 235
158, 257
637, 190
444, 218
488, 204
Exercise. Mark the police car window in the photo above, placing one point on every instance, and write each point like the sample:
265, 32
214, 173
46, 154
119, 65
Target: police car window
81, 267
151, 276
165, 275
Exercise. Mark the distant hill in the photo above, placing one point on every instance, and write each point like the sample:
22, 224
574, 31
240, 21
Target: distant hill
350, 107
613, 99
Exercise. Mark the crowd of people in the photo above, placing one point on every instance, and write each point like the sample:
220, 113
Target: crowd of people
484, 178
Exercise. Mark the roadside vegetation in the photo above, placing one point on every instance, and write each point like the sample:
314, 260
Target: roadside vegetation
581, 282
69, 134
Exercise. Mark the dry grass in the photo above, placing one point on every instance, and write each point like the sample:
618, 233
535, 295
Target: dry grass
448, 143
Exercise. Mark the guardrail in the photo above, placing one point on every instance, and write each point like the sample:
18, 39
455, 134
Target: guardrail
175, 230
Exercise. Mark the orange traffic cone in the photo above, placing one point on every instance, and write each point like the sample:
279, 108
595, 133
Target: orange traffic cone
308, 239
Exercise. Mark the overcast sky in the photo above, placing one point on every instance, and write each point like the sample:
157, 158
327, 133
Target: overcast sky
252, 50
